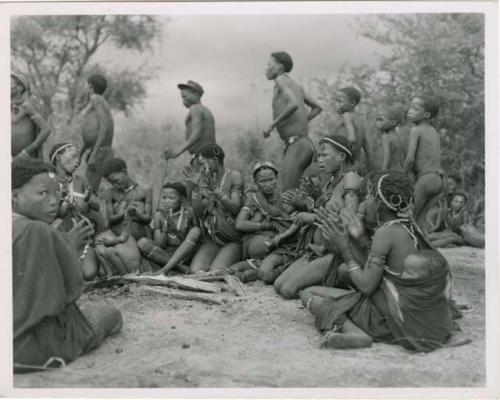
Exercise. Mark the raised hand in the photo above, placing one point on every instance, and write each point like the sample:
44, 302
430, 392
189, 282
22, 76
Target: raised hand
353, 223
81, 233
330, 226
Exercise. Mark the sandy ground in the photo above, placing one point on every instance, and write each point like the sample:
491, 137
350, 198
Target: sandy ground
261, 340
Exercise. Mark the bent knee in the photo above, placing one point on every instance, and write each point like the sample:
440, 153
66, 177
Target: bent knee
144, 244
288, 292
266, 276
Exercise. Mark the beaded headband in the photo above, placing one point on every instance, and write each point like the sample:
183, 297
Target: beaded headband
337, 144
396, 202
64, 146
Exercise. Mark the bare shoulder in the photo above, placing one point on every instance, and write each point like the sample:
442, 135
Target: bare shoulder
283, 81
352, 180
99, 101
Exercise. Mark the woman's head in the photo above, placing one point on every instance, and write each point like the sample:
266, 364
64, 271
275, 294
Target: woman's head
394, 193
335, 152
115, 172
265, 176
65, 156
173, 195
212, 155
458, 201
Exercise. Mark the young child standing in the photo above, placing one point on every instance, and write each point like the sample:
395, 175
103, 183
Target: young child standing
387, 122
423, 159
350, 125
176, 235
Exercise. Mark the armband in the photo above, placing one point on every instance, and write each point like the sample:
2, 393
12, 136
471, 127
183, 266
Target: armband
352, 266
376, 260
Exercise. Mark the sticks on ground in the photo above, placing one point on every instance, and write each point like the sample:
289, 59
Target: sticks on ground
176, 282
235, 284
177, 294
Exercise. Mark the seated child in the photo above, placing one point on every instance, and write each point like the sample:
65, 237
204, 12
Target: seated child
175, 234
78, 203
128, 208
47, 277
387, 122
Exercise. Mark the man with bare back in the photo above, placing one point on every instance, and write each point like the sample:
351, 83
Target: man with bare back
200, 124
28, 128
291, 119
97, 130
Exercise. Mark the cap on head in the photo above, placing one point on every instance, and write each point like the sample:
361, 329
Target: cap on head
195, 86
98, 83
178, 186
21, 81
284, 59
263, 165
112, 166
352, 94
23, 169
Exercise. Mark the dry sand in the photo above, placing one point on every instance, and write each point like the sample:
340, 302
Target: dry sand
261, 340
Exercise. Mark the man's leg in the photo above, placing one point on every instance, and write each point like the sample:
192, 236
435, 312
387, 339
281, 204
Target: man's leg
204, 257
297, 158
228, 255
268, 270
94, 172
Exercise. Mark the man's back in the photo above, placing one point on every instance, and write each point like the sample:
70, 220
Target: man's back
297, 123
428, 152
207, 122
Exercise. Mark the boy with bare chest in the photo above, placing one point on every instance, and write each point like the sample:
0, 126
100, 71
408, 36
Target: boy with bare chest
97, 130
423, 159
291, 119
28, 128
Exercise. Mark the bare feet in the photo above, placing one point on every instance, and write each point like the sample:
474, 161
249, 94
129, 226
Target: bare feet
335, 340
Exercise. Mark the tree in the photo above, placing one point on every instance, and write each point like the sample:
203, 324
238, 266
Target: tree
438, 54
57, 52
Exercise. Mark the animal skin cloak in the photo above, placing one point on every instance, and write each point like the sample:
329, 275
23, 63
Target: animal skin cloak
47, 280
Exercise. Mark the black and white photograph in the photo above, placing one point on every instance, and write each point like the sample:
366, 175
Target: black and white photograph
252, 197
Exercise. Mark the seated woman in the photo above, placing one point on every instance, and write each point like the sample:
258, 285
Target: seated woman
401, 294
453, 225
128, 207
270, 241
335, 158
78, 204
175, 234
46, 276
216, 198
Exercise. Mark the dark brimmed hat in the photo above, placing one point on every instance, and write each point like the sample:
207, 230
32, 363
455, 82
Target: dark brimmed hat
191, 85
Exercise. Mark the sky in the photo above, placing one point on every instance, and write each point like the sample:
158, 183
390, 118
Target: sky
227, 55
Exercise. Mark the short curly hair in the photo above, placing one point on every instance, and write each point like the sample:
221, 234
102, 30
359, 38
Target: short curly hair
283, 58
112, 166
352, 94
23, 169
98, 83
177, 186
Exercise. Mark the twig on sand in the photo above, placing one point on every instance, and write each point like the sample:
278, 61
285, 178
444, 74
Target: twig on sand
235, 284
211, 276
176, 282
177, 294
106, 283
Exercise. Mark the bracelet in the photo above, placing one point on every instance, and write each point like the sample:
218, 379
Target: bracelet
352, 266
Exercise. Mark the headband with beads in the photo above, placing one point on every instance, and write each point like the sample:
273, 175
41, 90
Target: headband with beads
392, 204
64, 146
337, 144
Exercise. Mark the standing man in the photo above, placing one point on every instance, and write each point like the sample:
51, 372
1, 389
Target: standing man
28, 128
200, 125
97, 130
291, 119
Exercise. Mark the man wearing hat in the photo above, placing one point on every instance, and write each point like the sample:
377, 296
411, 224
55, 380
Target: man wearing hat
28, 128
200, 125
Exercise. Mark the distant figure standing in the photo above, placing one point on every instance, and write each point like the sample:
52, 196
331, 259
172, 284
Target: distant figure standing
28, 128
387, 122
200, 124
291, 119
97, 130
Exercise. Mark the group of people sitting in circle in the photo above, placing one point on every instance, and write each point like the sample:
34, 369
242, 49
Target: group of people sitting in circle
357, 250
